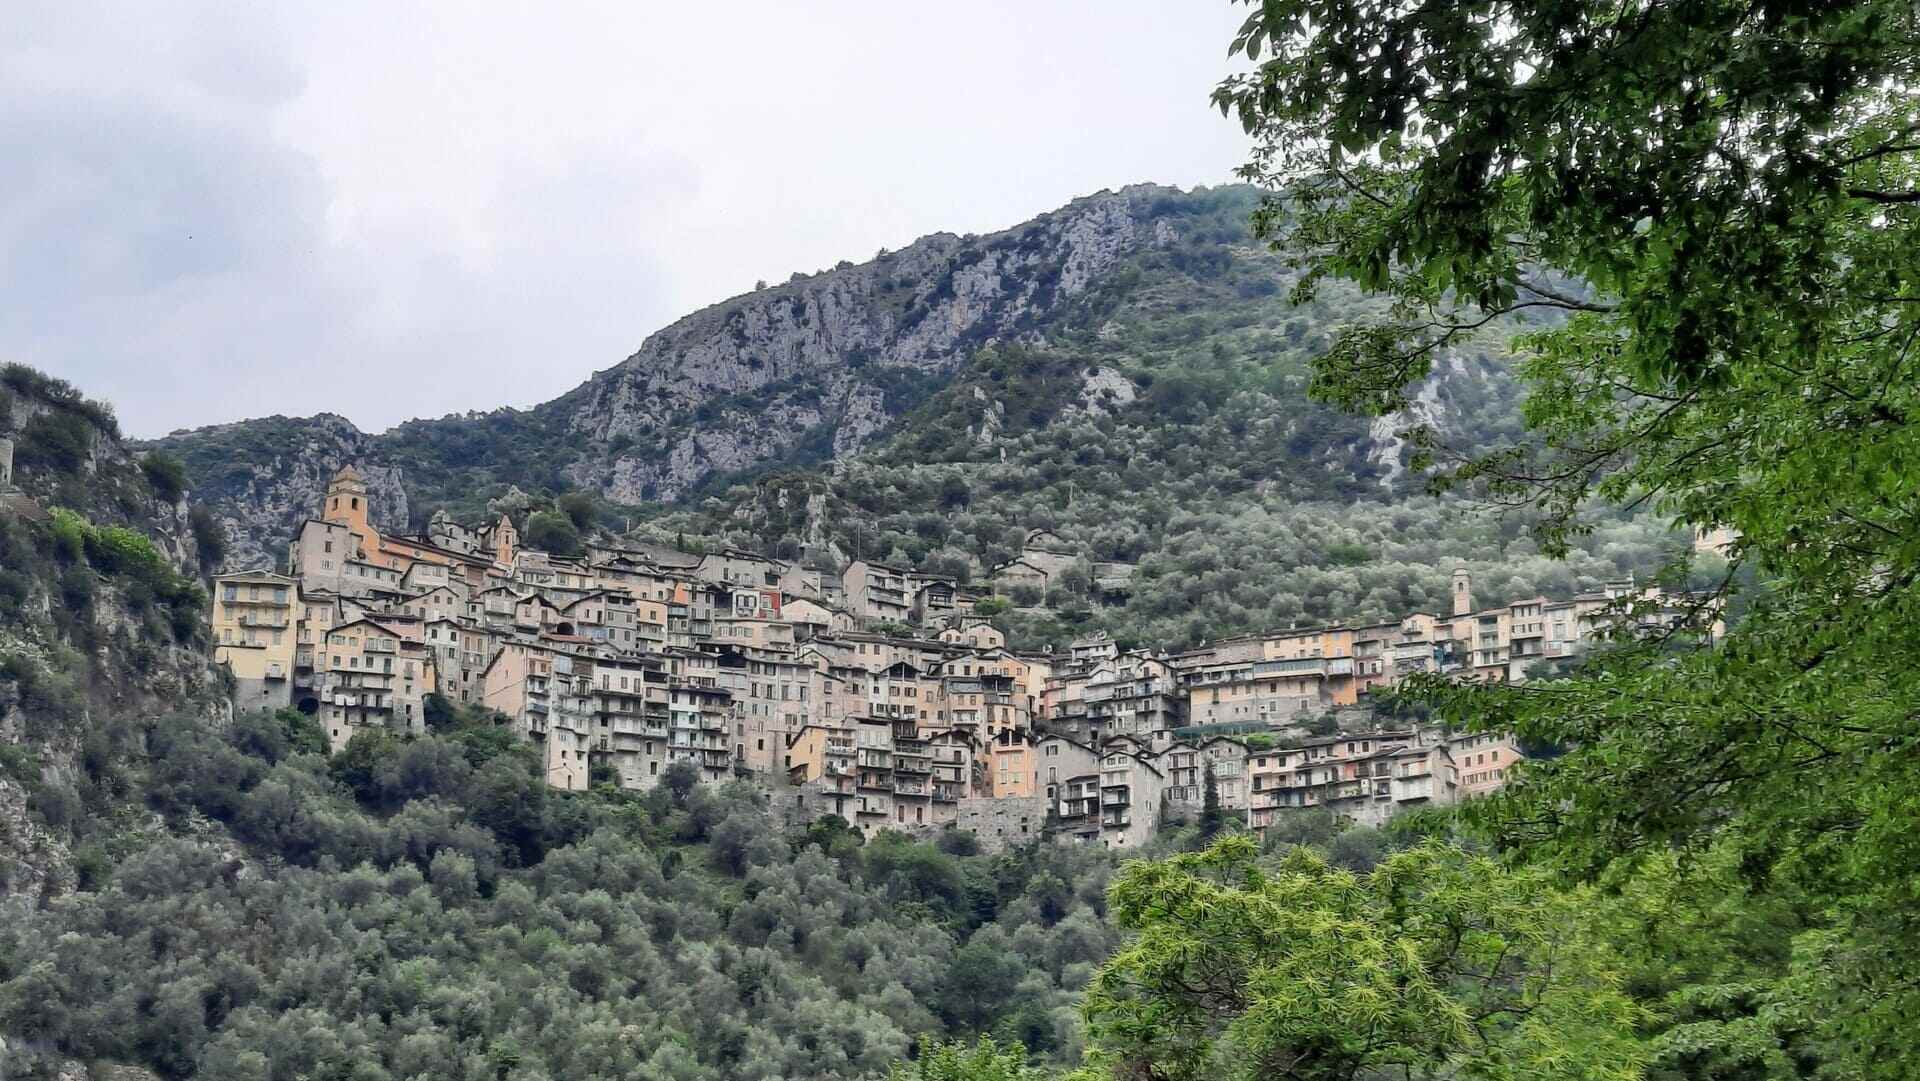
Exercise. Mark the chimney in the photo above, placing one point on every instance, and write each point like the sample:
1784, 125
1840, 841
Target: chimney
1462, 592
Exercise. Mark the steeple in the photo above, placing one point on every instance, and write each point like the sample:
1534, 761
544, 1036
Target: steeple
1462, 592
347, 497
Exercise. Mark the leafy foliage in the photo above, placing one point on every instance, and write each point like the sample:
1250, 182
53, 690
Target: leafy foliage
1731, 188
431, 908
985, 1060
1433, 963
553, 532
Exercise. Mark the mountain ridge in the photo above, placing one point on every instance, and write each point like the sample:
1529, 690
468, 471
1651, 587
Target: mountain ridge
828, 359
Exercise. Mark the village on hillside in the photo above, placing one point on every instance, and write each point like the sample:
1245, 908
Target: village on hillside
878, 694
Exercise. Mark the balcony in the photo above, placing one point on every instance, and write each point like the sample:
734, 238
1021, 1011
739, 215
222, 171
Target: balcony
276, 670
1297, 666
1116, 821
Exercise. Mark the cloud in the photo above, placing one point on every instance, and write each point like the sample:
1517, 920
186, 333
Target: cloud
210, 212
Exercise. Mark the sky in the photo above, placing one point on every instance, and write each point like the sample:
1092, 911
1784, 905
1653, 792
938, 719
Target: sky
211, 211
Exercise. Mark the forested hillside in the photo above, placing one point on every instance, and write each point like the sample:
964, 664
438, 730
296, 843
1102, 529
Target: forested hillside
205, 897
432, 909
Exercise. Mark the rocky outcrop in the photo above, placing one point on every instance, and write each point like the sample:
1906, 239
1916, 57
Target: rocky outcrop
1103, 391
84, 638
750, 380
817, 368
1430, 408
262, 478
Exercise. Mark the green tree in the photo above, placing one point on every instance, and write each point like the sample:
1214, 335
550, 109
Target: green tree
1437, 963
1213, 818
1703, 218
984, 1060
552, 532
580, 508
166, 473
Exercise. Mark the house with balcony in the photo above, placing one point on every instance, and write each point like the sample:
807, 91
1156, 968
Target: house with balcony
699, 728
878, 593
1187, 766
255, 636
630, 719
372, 677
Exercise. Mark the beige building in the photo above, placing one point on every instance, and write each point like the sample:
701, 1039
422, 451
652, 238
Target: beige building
372, 678
255, 636
1186, 766
877, 593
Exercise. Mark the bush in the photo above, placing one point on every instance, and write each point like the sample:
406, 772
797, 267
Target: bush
580, 508
553, 533
57, 442
167, 475
209, 539
64, 396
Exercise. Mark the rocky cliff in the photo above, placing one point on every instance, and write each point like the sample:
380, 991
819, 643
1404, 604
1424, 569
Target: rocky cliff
817, 368
102, 615
829, 355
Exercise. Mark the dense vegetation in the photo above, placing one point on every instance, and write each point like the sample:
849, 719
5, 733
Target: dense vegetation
1707, 874
91, 605
430, 908
1735, 184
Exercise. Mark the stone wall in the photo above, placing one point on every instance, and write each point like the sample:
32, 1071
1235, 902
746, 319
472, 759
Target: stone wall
1000, 824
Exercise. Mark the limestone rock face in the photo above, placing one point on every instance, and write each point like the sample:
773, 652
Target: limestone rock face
815, 361
1102, 391
260, 497
108, 653
814, 369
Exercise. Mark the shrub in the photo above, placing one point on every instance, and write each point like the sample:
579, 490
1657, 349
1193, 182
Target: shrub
167, 475
553, 533
209, 539
55, 441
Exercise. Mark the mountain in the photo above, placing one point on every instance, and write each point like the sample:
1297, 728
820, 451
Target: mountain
815, 369
1128, 371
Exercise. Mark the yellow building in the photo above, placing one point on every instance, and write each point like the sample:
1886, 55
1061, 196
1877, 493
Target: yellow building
255, 632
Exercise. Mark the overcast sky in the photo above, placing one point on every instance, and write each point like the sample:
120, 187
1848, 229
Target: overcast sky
212, 211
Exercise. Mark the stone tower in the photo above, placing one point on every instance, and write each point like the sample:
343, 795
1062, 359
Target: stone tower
6, 463
347, 504
1462, 592
506, 541
347, 498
